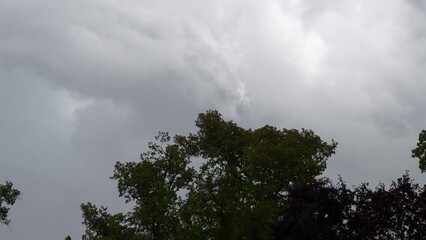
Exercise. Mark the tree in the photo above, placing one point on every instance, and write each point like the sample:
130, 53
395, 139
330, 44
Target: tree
227, 182
320, 211
238, 192
420, 151
104, 226
8, 196
397, 213
316, 211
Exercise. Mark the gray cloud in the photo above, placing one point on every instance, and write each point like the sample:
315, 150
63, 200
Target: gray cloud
84, 84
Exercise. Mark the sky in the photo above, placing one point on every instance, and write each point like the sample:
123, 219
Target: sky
84, 84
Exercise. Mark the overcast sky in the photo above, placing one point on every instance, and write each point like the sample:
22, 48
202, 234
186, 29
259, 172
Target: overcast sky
87, 83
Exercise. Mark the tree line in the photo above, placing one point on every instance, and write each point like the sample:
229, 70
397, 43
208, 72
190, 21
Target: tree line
263, 183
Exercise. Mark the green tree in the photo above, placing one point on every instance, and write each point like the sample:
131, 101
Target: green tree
237, 192
420, 151
8, 196
104, 226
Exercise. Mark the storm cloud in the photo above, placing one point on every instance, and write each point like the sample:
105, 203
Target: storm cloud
88, 83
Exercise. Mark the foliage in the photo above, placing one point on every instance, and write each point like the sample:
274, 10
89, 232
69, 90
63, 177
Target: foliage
323, 211
104, 226
227, 182
420, 151
8, 196
316, 210
238, 191
397, 213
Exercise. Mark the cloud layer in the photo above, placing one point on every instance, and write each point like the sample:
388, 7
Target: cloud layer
87, 83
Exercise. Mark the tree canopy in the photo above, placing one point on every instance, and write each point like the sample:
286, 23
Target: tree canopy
228, 182
321, 210
237, 192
